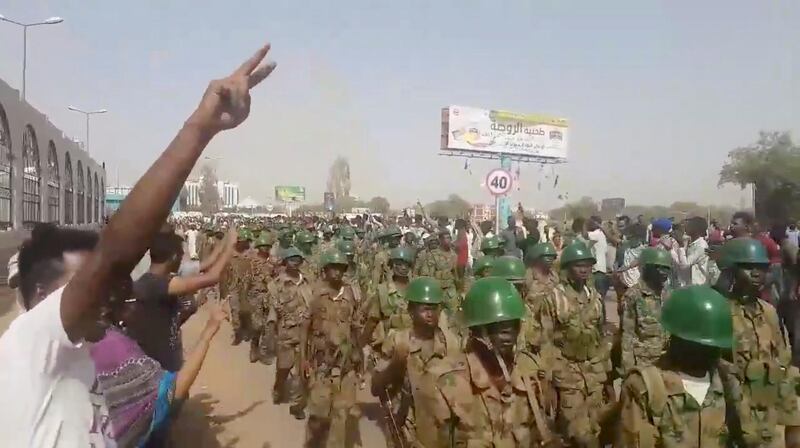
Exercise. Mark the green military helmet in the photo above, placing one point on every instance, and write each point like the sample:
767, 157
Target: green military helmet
655, 257
699, 314
508, 267
577, 251
540, 250
265, 239
491, 243
305, 237
347, 233
245, 234
742, 251
490, 300
333, 256
346, 247
290, 252
482, 264
391, 231
402, 253
424, 290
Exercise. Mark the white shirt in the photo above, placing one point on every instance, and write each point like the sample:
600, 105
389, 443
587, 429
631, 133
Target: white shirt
191, 243
696, 387
631, 276
46, 384
599, 249
697, 262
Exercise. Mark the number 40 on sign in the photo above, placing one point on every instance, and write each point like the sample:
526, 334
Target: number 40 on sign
498, 182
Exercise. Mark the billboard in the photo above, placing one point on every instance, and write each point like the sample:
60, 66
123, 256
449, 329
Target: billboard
285, 193
502, 132
612, 206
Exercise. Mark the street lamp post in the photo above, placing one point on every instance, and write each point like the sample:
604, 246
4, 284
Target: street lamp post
25, 26
87, 114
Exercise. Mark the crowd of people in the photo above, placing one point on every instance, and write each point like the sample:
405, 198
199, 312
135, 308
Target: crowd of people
468, 337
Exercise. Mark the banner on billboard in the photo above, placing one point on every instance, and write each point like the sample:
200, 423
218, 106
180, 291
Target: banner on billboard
501, 132
285, 193
612, 206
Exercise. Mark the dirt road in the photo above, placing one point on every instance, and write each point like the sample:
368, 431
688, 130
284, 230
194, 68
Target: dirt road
231, 404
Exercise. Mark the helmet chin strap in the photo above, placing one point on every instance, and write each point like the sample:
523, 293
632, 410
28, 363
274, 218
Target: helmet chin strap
484, 339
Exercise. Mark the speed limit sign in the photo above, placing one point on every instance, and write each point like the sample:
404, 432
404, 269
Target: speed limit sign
498, 182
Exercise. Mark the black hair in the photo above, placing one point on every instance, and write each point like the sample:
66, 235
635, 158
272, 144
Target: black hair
747, 217
164, 246
696, 223
41, 257
577, 224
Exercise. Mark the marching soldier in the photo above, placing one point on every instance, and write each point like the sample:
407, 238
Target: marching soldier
492, 395
689, 397
288, 302
491, 247
406, 358
264, 270
440, 264
641, 337
572, 320
305, 241
541, 277
389, 239
331, 355
388, 308
761, 352
235, 285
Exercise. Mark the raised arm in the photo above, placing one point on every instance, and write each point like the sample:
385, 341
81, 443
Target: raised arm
181, 286
207, 262
225, 104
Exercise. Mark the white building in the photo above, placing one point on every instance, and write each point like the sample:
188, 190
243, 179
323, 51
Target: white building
228, 192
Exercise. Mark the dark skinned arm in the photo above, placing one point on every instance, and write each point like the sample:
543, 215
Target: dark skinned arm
225, 105
207, 262
182, 286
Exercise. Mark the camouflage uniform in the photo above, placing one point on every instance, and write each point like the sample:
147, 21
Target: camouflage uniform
288, 301
263, 273
422, 356
441, 265
389, 308
237, 281
380, 270
572, 327
641, 336
762, 358
469, 410
538, 288
333, 360
657, 411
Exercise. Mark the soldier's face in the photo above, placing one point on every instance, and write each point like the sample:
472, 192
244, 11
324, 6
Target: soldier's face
581, 270
751, 276
445, 241
400, 268
656, 275
334, 272
293, 263
242, 245
424, 315
546, 261
394, 241
263, 251
503, 336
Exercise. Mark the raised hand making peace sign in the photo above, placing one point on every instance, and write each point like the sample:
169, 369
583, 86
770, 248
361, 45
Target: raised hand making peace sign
226, 102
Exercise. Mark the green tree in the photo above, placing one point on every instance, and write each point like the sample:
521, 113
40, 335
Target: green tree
772, 166
210, 201
379, 204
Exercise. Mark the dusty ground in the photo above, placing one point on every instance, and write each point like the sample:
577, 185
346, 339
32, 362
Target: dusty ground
230, 404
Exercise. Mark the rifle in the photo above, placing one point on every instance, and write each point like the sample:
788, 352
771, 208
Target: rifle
394, 429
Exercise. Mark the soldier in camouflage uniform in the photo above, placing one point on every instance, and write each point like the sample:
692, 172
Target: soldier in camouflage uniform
540, 277
657, 407
761, 352
306, 241
491, 247
331, 355
440, 264
406, 357
640, 336
492, 395
387, 308
288, 300
389, 239
262, 344
572, 321
235, 284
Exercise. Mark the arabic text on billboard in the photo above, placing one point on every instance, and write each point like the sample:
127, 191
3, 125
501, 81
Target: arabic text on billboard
496, 131
290, 194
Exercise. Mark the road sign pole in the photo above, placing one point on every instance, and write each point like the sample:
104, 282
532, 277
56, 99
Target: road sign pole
503, 204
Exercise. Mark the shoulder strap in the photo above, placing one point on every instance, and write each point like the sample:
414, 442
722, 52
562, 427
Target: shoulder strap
453, 347
536, 409
656, 390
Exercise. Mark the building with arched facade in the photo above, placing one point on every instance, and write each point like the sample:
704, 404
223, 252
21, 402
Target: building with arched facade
44, 176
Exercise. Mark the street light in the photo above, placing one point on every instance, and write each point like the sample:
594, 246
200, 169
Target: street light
25, 26
87, 114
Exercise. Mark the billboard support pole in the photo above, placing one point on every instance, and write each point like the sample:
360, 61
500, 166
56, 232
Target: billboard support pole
503, 207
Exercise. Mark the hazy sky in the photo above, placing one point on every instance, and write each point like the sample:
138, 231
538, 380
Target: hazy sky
656, 92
